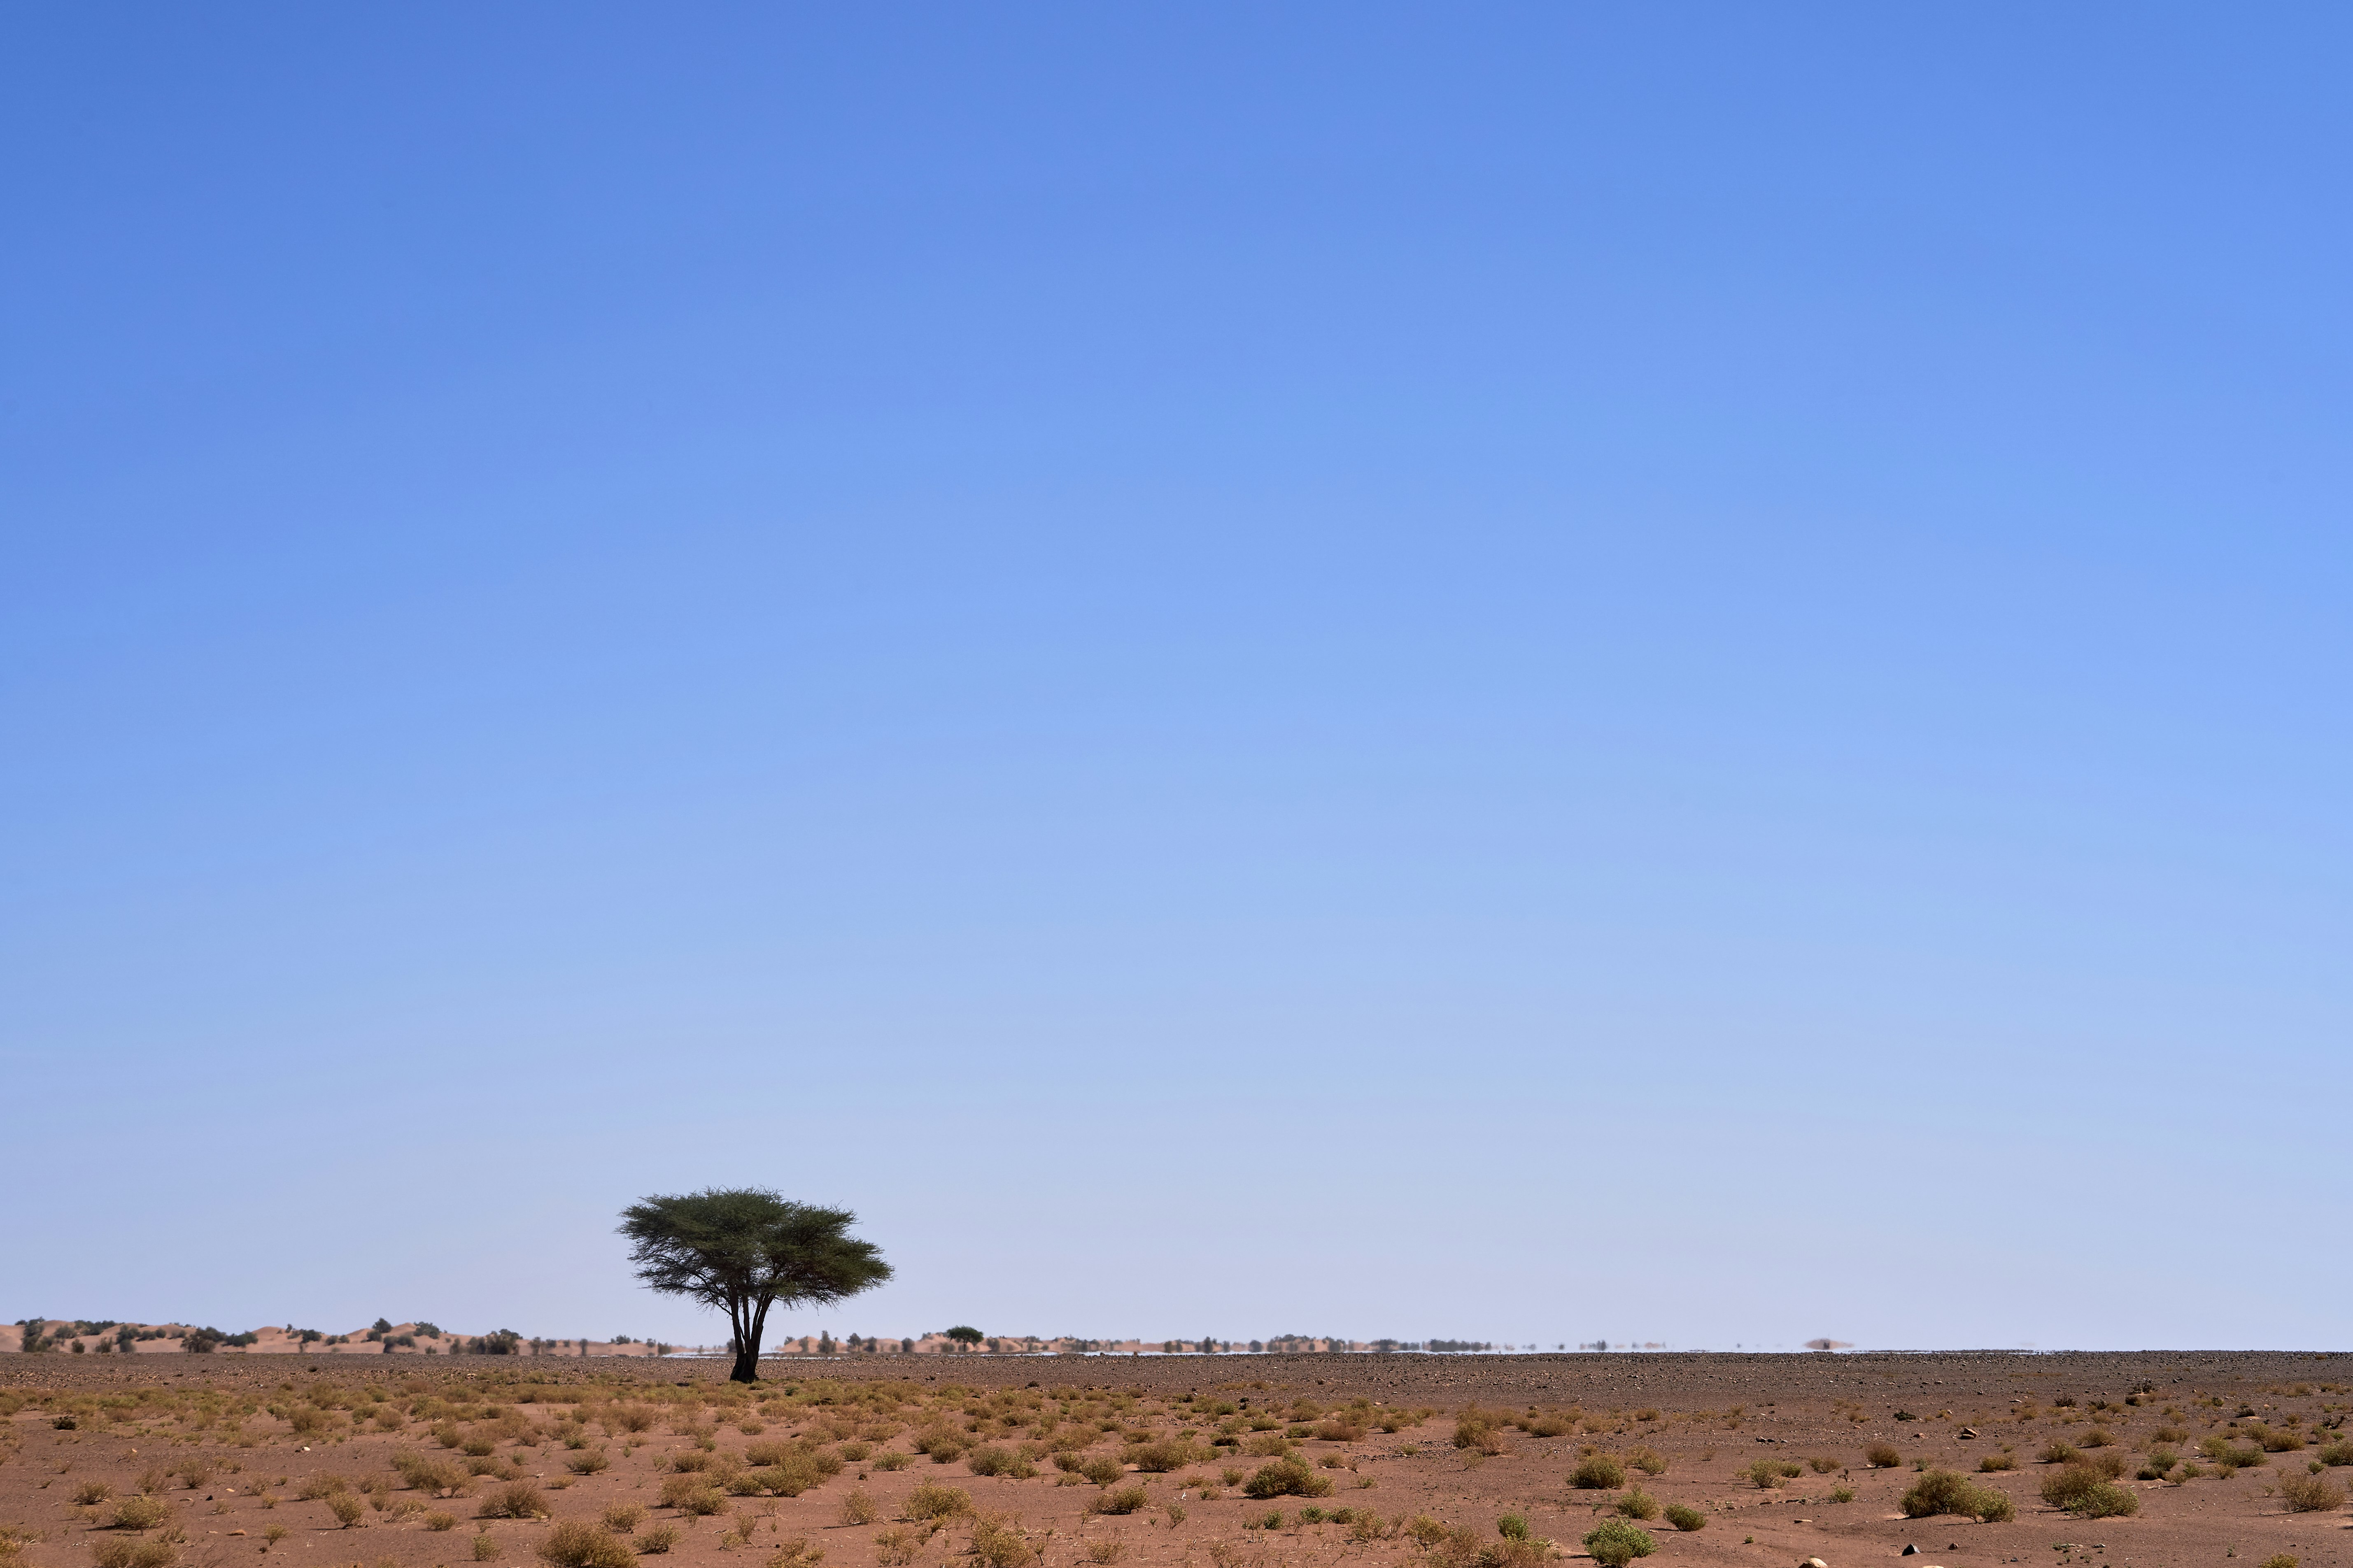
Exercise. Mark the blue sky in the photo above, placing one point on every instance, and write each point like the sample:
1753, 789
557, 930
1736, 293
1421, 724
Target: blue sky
1527, 673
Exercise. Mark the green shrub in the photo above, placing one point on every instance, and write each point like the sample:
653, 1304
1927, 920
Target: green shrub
1102, 1469
1684, 1517
1765, 1475
1167, 1454
1637, 1504
1614, 1542
1599, 1473
1286, 1478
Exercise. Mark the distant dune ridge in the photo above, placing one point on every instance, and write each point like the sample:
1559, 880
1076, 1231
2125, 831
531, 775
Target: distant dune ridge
68, 1336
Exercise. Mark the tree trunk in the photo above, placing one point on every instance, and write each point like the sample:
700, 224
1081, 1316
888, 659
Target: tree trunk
747, 1365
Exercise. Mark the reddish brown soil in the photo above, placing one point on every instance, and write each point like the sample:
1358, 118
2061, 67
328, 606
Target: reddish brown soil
1715, 1415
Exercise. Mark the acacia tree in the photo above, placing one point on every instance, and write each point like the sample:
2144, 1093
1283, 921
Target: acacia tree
743, 1250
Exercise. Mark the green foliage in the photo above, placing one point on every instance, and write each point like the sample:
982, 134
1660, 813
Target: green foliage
1614, 1542
1599, 1473
1288, 1477
1684, 1517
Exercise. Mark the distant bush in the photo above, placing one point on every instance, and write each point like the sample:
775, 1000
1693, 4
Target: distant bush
655, 1542
1128, 1499
2083, 1491
2339, 1452
2005, 1460
1683, 1516
575, 1543
1286, 1478
516, 1499
1648, 1460
1883, 1457
1102, 1469
1637, 1504
1599, 1473
623, 1517
347, 1509
931, 1501
1614, 1542
1160, 1458
139, 1513
1765, 1475
119, 1553
1948, 1491
1822, 1464
992, 1460
2310, 1494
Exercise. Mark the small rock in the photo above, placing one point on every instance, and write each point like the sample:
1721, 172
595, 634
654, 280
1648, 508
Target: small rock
1909, 1551
1968, 1431
1813, 1563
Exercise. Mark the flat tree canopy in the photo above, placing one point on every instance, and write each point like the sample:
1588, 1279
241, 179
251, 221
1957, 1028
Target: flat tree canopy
744, 1249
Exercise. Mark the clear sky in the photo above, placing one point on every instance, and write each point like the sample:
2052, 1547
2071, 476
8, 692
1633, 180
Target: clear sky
1530, 673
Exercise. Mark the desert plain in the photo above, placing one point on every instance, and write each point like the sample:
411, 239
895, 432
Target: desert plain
1456, 1461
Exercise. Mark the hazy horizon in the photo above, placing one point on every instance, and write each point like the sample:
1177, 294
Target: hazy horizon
1530, 673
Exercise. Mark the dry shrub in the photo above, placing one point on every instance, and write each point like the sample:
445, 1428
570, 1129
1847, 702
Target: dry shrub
1684, 1517
1822, 1464
1949, 1491
1286, 1478
2310, 1494
433, 1476
347, 1509
1159, 1457
2278, 1442
576, 1544
516, 1499
1599, 1473
121, 1551
1339, 1429
2083, 1491
692, 1495
1765, 1474
1637, 1504
1272, 1445
587, 1462
2099, 1438
90, 1493
931, 1501
1883, 1457
1102, 1469
655, 1542
313, 1487
1648, 1460
623, 1517
998, 1541
993, 1460
896, 1546
486, 1549
2001, 1461
1551, 1424
629, 1418
1127, 1499
1107, 1551
139, 1513
2058, 1451
440, 1521
1614, 1542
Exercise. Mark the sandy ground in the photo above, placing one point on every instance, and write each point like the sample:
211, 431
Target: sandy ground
252, 1435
